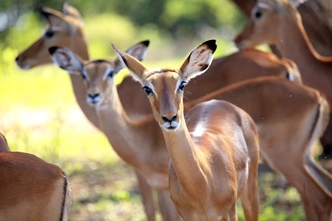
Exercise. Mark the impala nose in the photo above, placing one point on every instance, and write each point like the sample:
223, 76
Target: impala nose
93, 96
167, 119
17, 58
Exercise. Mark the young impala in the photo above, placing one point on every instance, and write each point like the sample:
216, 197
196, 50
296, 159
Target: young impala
31, 189
278, 22
213, 152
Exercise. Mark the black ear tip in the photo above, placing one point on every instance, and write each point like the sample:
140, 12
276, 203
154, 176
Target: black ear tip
212, 44
146, 43
51, 50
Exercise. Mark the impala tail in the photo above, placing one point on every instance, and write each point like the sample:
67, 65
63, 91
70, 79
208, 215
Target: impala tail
317, 172
66, 202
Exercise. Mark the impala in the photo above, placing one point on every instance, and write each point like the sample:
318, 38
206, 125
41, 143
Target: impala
286, 133
278, 22
213, 152
31, 189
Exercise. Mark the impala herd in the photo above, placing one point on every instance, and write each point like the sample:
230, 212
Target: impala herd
194, 134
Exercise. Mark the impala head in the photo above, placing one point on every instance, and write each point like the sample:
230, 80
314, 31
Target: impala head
164, 87
98, 75
64, 30
266, 22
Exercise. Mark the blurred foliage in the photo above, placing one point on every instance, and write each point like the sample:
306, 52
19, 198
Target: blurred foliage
179, 18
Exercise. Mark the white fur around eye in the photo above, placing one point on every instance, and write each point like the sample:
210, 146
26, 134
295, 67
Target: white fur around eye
263, 5
108, 70
149, 85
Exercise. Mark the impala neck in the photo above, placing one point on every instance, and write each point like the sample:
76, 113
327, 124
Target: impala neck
124, 134
294, 42
79, 46
185, 156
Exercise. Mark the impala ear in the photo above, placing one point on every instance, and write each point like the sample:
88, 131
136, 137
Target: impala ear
137, 51
198, 60
135, 67
67, 60
51, 16
71, 11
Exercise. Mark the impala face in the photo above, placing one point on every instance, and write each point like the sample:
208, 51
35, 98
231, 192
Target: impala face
264, 25
164, 87
98, 77
61, 30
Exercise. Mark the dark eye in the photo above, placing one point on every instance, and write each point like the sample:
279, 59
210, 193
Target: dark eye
147, 90
49, 33
182, 84
83, 77
110, 74
258, 14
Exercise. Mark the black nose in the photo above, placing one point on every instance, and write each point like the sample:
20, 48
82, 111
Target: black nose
166, 119
93, 96
16, 59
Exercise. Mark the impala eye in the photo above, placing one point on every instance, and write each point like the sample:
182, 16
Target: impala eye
258, 14
84, 77
182, 84
147, 90
49, 33
110, 74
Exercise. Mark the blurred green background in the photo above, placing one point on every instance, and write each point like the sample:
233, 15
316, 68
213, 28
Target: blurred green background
39, 115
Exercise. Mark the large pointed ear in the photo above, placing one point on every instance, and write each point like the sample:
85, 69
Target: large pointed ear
67, 60
137, 51
198, 60
135, 67
71, 11
51, 16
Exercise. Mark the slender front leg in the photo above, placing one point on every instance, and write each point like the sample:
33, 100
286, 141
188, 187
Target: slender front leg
147, 197
166, 206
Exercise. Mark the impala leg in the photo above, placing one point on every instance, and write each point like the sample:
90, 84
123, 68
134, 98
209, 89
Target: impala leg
147, 197
166, 206
232, 216
250, 197
317, 204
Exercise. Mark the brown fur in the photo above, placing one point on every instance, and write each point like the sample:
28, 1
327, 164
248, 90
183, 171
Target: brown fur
32, 189
316, 19
282, 25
